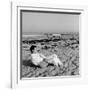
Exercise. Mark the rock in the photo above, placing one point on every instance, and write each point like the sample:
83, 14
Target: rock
53, 73
50, 68
43, 64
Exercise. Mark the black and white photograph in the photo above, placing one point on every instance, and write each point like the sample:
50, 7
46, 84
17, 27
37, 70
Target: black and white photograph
49, 44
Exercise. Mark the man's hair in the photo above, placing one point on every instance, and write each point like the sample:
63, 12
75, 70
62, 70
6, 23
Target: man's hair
32, 48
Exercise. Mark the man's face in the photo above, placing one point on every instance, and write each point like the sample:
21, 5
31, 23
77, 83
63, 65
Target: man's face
35, 50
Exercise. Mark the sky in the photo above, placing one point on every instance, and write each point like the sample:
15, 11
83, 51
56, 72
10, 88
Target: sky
49, 22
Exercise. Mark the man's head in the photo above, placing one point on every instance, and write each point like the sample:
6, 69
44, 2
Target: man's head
32, 48
35, 48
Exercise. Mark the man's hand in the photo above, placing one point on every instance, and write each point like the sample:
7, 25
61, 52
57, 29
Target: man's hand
44, 57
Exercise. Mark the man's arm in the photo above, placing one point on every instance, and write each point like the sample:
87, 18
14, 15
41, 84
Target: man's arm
44, 57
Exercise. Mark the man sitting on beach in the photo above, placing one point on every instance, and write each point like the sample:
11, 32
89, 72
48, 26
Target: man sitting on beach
37, 57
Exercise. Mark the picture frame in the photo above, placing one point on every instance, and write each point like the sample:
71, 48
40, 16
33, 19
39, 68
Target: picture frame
16, 33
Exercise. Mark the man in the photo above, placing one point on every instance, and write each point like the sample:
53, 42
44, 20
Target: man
37, 57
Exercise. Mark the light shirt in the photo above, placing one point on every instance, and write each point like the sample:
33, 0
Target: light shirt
37, 58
